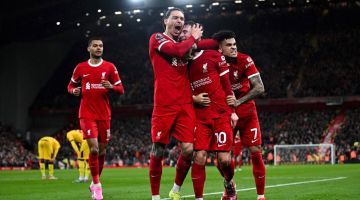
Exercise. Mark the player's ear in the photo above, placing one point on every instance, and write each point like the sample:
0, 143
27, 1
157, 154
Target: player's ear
88, 49
166, 21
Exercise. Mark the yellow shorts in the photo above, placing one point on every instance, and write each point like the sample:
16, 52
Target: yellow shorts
45, 150
84, 150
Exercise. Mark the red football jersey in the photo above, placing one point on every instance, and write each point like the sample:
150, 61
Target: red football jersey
206, 68
240, 73
171, 81
237, 140
94, 97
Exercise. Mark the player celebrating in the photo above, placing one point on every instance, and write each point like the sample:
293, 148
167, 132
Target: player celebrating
81, 148
173, 112
48, 148
246, 84
209, 79
94, 79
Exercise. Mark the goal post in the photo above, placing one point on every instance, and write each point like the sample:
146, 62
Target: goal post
304, 154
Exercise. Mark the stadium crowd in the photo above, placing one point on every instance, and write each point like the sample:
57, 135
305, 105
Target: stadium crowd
310, 57
131, 143
14, 149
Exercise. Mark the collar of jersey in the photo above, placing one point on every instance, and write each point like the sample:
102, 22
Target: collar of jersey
198, 55
96, 65
169, 37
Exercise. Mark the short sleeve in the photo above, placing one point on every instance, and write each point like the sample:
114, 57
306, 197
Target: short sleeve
250, 68
157, 40
222, 65
76, 77
114, 76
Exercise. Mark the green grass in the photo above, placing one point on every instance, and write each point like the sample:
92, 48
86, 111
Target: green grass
133, 183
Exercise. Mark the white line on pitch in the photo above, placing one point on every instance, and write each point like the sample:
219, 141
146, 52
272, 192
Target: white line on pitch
271, 186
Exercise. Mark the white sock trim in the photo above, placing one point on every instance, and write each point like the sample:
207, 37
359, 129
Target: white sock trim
155, 197
176, 188
97, 185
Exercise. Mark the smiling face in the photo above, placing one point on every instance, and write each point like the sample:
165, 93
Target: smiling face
174, 23
228, 47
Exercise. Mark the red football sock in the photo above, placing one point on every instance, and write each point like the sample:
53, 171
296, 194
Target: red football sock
258, 172
227, 170
94, 167
101, 163
182, 167
218, 166
155, 172
198, 176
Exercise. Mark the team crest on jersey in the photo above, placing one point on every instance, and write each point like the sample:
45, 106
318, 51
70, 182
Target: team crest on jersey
236, 74
205, 68
103, 74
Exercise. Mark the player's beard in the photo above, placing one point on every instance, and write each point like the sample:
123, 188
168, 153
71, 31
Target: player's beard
96, 56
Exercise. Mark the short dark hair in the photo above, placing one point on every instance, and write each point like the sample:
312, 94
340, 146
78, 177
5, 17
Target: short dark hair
93, 38
190, 22
223, 35
168, 12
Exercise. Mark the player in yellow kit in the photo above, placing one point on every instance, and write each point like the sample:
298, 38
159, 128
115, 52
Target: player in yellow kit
48, 148
81, 148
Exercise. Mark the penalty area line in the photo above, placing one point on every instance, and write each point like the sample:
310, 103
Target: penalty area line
270, 186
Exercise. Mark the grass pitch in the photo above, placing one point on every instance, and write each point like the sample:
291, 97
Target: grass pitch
293, 182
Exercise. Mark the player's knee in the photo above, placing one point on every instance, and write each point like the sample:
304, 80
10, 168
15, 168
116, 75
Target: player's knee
200, 157
255, 149
158, 150
224, 159
102, 152
187, 149
94, 150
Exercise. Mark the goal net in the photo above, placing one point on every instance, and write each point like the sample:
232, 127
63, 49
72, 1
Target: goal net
304, 154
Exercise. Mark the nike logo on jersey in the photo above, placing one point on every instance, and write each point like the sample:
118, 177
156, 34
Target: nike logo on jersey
253, 141
220, 145
261, 176
85, 75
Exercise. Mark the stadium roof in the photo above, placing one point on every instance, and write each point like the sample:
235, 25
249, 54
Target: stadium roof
28, 20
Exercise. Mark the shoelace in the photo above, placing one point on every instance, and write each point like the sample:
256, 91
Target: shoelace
229, 187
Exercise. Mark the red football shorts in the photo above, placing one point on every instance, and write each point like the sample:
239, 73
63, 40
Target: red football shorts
215, 136
249, 128
99, 129
175, 120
